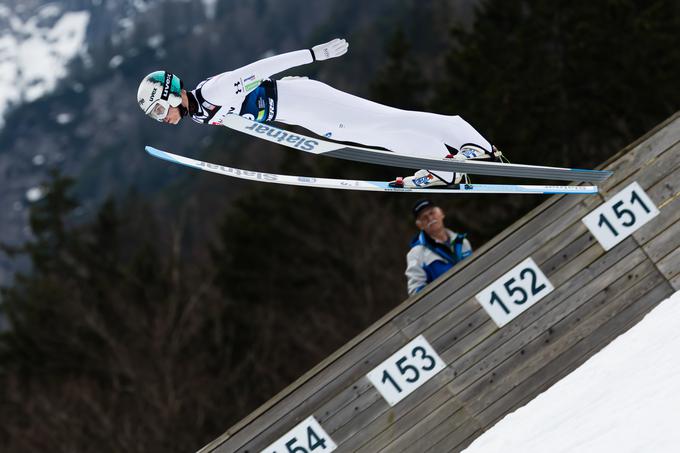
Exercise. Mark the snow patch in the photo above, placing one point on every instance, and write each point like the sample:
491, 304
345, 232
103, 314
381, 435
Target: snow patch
210, 8
38, 159
34, 194
49, 11
64, 118
34, 57
116, 61
155, 41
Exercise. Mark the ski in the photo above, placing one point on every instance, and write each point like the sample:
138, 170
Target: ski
388, 158
351, 184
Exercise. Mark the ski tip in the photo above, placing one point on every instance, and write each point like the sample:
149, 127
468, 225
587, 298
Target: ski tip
160, 154
592, 175
151, 150
155, 152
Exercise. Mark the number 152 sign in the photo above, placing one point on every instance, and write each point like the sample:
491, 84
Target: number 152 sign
514, 292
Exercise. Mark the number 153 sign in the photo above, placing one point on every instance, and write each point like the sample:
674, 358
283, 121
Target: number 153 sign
406, 370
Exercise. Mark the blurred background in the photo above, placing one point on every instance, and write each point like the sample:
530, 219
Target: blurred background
146, 307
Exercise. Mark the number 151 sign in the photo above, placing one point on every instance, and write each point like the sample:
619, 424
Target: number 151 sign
622, 215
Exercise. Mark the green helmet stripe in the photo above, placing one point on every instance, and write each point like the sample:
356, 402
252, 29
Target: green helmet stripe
159, 77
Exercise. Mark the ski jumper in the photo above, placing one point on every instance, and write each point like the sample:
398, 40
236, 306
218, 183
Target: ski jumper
429, 259
328, 112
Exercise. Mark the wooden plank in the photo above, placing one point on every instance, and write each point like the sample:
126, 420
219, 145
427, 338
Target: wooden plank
335, 422
559, 337
380, 416
631, 159
325, 403
663, 244
653, 169
666, 196
349, 396
476, 325
470, 345
659, 167
402, 439
670, 122
458, 318
409, 416
294, 405
670, 264
581, 254
577, 355
427, 440
456, 440
570, 243
348, 414
343, 408
675, 282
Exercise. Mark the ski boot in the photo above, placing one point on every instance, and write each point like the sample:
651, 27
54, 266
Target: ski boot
423, 179
473, 152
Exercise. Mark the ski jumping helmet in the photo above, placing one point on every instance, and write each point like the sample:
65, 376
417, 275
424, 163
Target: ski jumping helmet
159, 91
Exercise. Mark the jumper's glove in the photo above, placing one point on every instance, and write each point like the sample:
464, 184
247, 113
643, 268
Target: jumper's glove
331, 49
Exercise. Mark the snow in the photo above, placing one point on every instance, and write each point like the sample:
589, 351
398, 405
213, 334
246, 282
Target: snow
64, 118
155, 41
210, 8
35, 194
34, 56
624, 399
116, 61
38, 160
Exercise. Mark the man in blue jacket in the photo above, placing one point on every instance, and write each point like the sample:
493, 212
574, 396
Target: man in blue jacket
434, 250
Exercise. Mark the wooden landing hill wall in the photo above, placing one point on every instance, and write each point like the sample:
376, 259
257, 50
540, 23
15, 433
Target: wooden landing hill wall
491, 371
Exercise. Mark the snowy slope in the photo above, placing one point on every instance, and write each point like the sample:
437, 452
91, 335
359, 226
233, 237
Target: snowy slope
35, 52
624, 399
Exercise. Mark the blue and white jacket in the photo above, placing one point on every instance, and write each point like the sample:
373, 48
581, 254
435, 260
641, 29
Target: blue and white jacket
428, 259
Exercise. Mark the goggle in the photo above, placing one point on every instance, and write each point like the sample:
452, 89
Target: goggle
159, 110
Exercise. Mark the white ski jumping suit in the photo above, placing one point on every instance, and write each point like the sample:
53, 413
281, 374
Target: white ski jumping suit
328, 112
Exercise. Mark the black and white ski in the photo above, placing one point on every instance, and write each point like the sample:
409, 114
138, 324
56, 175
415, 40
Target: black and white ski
387, 158
351, 184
